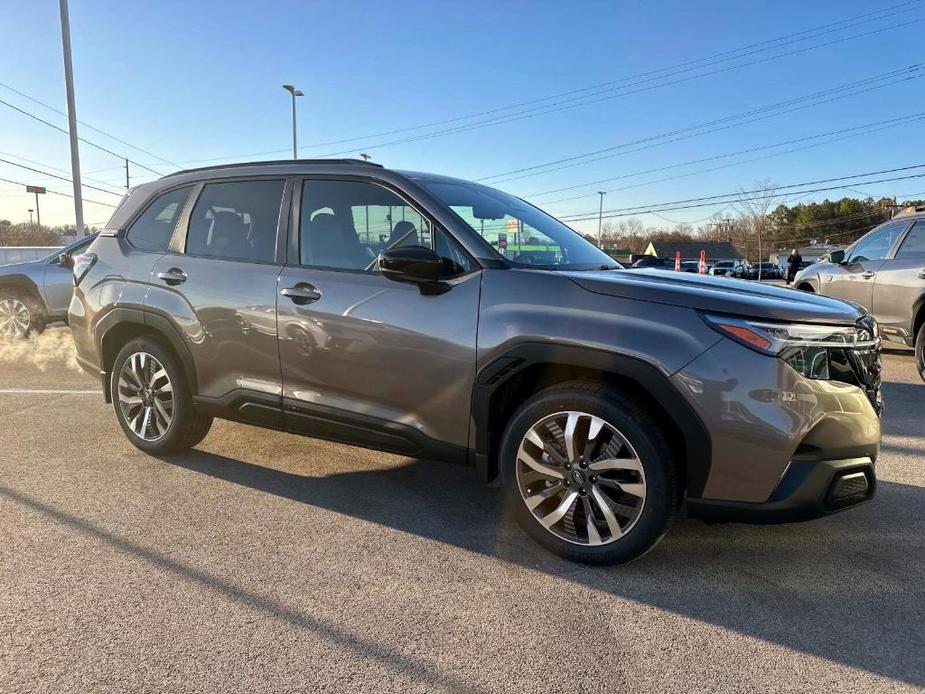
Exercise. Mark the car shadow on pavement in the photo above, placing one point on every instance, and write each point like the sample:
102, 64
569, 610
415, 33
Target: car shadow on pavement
847, 588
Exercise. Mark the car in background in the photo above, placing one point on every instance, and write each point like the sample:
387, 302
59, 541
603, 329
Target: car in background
883, 271
744, 270
654, 263
37, 292
723, 267
768, 271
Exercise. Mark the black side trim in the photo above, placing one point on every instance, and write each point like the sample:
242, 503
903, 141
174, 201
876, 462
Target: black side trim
651, 379
243, 405
356, 429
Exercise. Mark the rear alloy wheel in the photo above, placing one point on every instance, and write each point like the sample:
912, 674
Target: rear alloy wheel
152, 399
17, 318
589, 473
920, 351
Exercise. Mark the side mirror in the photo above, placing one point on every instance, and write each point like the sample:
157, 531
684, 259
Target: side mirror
64, 260
837, 257
414, 264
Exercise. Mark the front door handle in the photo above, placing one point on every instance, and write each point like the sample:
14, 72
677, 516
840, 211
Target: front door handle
867, 275
173, 276
301, 294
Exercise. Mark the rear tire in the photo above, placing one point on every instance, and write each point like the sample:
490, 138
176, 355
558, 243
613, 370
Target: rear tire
619, 472
152, 399
920, 351
21, 314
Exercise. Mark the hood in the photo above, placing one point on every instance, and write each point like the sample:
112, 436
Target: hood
719, 295
22, 267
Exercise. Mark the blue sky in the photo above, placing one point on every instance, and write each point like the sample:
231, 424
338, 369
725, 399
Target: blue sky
191, 81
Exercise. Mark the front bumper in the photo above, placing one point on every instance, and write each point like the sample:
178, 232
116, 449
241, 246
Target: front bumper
808, 489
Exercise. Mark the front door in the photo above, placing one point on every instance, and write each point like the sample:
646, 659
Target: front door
900, 283
854, 279
218, 285
366, 359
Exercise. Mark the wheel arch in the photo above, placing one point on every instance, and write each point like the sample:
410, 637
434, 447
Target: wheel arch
24, 283
525, 369
918, 316
120, 325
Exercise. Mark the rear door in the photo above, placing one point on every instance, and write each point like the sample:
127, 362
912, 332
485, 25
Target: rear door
854, 278
218, 284
366, 359
900, 283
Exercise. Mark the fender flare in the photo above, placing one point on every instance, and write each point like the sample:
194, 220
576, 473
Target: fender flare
24, 283
697, 442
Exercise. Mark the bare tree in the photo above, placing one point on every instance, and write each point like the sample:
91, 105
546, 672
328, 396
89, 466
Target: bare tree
754, 208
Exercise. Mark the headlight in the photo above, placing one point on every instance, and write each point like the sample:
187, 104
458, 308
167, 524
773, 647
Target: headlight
805, 346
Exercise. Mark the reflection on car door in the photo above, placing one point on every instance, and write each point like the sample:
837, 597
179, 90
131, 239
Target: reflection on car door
854, 279
366, 359
900, 283
219, 287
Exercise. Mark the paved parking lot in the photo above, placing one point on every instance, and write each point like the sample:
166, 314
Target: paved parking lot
268, 562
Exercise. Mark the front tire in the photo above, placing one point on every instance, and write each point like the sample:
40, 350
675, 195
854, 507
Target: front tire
589, 473
152, 399
20, 314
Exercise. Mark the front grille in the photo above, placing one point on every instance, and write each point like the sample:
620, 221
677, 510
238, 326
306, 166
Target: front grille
861, 366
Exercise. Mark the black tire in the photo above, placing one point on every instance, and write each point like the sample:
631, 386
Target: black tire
920, 351
640, 427
187, 426
36, 311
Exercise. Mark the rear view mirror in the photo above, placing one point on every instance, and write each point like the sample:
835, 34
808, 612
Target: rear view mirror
487, 211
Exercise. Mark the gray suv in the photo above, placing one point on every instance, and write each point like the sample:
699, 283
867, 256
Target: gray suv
441, 319
884, 271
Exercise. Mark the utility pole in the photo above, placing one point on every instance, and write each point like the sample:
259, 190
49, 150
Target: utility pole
126, 175
71, 118
294, 92
37, 190
600, 217
31, 223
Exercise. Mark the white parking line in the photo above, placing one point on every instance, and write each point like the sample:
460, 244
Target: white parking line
41, 391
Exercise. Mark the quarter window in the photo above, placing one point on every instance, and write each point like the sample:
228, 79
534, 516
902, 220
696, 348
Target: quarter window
875, 245
236, 220
914, 245
153, 229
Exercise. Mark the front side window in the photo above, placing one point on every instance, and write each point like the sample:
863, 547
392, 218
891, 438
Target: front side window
153, 229
525, 235
914, 245
236, 220
345, 224
876, 245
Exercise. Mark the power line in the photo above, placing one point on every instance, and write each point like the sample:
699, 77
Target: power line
55, 192
59, 169
87, 125
891, 122
60, 178
92, 144
760, 113
605, 96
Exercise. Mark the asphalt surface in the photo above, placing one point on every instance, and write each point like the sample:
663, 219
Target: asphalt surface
264, 562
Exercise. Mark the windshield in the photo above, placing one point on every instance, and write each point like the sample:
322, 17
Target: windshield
521, 233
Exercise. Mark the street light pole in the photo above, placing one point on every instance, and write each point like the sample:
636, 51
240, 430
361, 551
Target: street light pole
294, 92
71, 118
31, 223
600, 217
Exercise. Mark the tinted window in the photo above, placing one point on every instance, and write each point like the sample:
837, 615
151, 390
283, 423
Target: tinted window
345, 224
153, 229
875, 245
914, 245
236, 220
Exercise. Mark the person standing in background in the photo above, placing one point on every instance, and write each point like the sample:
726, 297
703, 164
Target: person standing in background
793, 265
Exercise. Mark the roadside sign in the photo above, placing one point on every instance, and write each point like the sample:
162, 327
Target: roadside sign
38, 190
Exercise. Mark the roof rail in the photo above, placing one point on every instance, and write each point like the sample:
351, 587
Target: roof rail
352, 162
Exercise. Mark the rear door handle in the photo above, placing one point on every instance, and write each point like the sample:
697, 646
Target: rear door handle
302, 293
867, 275
173, 276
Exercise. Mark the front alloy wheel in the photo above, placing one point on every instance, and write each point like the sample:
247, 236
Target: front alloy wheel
145, 396
580, 478
15, 317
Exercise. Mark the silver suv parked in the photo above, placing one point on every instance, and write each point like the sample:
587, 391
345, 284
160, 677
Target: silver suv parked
437, 318
884, 271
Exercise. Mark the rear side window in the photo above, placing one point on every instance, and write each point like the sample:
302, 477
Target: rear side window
914, 245
236, 220
153, 229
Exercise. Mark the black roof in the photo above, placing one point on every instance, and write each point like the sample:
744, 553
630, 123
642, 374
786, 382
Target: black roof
357, 162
